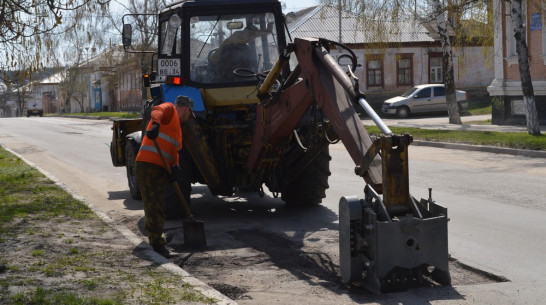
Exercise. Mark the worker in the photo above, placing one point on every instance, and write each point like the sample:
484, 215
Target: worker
165, 128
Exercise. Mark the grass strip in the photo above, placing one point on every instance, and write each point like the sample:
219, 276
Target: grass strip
106, 114
517, 140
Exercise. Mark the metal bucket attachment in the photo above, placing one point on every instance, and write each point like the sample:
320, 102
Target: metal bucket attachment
392, 253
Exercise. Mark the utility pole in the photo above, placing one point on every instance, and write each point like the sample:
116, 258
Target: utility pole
339, 9
88, 80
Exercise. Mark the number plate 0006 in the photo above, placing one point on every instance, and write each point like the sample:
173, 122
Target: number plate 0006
168, 66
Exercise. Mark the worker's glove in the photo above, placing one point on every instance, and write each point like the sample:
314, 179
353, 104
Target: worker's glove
153, 132
175, 172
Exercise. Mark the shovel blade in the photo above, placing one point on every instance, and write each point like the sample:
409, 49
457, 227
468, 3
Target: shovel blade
194, 234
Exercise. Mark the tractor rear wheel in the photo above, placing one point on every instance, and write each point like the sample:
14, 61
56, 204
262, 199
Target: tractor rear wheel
310, 186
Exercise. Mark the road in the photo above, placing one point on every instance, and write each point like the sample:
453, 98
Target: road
261, 252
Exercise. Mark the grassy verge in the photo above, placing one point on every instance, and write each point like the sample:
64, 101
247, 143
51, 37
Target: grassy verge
55, 250
123, 115
519, 140
479, 107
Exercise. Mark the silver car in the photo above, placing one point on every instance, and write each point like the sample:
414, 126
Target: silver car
422, 98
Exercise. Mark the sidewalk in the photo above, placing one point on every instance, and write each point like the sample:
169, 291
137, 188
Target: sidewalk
443, 123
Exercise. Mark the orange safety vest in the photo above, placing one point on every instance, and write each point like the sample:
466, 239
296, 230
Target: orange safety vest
169, 138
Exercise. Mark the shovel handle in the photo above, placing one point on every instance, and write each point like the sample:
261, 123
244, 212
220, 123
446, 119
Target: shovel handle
174, 183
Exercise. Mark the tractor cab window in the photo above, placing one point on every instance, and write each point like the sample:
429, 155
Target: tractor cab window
222, 44
171, 30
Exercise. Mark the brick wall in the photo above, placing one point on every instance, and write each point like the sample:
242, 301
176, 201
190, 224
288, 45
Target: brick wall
534, 44
507, 86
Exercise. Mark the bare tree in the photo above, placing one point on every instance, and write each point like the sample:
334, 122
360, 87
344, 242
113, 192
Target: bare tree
145, 31
449, 74
144, 26
18, 84
30, 30
426, 11
74, 87
4, 98
533, 127
20, 89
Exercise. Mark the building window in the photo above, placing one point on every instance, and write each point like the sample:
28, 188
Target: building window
375, 72
405, 70
436, 72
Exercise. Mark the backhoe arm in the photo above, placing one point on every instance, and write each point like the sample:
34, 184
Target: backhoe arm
320, 80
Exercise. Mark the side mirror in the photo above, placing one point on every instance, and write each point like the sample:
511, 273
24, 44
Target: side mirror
127, 35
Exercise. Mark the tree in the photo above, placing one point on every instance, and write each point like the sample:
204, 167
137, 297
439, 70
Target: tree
74, 87
145, 31
449, 74
145, 26
18, 83
4, 98
32, 30
455, 9
20, 89
426, 11
531, 115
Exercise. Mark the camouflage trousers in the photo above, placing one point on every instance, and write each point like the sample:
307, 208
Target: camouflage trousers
152, 180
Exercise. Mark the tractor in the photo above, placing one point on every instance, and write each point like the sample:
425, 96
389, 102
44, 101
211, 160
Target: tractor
267, 107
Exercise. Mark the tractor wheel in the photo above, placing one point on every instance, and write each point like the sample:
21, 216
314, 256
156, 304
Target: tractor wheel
310, 186
173, 207
131, 150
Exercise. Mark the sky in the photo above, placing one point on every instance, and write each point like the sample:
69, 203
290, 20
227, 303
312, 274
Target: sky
295, 5
291, 5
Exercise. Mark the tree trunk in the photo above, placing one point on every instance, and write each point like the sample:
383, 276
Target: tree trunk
449, 75
531, 115
80, 103
20, 104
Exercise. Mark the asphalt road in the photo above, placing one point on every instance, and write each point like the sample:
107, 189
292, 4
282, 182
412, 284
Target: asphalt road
497, 207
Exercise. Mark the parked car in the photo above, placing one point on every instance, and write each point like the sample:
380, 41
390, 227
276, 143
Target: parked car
421, 99
35, 108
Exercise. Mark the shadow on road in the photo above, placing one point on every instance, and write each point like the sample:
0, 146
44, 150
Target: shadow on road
128, 202
248, 234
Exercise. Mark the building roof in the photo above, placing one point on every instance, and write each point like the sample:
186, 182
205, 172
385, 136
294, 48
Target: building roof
323, 21
112, 56
53, 79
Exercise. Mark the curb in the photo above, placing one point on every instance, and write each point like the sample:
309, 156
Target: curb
80, 117
139, 244
482, 148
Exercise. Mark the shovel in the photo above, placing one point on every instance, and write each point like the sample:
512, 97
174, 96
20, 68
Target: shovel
194, 230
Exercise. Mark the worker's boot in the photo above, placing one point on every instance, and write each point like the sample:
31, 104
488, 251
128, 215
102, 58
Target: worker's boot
162, 250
